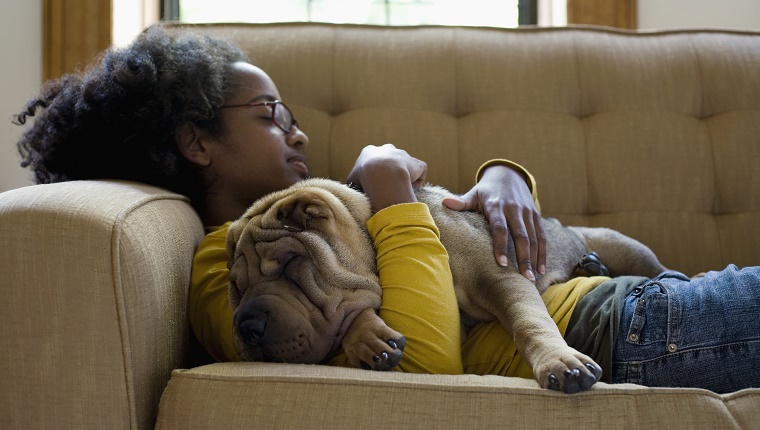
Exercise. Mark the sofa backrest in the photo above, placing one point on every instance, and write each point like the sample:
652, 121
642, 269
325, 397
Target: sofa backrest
655, 134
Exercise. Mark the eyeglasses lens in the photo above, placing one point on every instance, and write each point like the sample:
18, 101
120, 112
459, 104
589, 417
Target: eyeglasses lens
282, 117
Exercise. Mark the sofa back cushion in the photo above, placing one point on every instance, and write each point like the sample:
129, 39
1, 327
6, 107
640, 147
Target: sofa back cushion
654, 134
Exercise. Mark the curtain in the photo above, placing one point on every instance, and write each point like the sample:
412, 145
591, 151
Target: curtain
74, 33
611, 13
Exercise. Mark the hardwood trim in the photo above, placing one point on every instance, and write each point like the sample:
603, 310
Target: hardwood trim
74, 33
610, 13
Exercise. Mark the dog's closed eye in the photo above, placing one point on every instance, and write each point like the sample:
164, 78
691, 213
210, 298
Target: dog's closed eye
288, 222
296, 217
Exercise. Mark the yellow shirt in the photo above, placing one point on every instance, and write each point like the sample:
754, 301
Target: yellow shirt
418, 297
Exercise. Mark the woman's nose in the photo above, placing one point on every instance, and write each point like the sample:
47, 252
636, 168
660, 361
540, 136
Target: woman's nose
297, 138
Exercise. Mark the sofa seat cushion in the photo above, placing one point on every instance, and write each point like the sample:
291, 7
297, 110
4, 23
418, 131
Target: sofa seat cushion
272, 395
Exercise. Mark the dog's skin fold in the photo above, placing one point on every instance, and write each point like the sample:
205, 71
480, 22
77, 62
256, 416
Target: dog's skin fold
303, 281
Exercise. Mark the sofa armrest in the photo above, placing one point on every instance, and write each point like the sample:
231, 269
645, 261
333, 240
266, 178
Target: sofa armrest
94, 309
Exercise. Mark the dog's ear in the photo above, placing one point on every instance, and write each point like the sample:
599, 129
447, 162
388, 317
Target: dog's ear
233, 235
298, 214
237, 258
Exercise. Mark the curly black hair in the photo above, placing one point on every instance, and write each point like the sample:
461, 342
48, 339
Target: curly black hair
116, 120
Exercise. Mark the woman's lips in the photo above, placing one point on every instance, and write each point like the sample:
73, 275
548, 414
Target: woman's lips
299, 163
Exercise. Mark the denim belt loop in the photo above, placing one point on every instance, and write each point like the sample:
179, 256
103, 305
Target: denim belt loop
674, 318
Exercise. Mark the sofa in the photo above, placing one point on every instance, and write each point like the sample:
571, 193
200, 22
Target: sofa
655, 134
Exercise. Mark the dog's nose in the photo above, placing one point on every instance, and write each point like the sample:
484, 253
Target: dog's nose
251, 325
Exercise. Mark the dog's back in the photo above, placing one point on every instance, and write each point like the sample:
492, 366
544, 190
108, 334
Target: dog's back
467, 238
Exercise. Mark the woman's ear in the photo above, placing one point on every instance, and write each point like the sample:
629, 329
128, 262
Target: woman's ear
190, 141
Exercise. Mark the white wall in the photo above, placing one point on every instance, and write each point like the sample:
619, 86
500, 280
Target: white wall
732, 14
20, 78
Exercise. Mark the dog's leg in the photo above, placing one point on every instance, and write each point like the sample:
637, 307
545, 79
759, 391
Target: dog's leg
371, 344
621, 254
519, 307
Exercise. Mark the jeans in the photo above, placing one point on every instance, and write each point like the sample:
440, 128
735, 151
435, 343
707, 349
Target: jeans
703, 333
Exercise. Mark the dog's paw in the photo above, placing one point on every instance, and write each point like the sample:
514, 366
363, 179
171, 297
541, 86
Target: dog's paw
369, 343
569, 372
385, 360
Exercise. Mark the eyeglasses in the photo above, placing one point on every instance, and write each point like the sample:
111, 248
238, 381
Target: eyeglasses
282, 117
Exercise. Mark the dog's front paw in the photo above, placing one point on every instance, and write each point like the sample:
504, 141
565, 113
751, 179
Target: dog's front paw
385, 360
369, 343
569, 372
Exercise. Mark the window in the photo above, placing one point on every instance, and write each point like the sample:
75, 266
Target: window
493, 13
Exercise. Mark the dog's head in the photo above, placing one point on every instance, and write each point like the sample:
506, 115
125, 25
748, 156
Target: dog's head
302, 266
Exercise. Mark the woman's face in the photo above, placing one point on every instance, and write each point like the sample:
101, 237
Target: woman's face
253, 156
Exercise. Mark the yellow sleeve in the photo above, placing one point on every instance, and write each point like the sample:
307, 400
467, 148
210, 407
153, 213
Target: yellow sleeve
210, 313
489, 348
418, 288
531, 181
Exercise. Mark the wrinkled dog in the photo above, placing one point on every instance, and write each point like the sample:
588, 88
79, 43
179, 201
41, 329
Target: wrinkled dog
304, 284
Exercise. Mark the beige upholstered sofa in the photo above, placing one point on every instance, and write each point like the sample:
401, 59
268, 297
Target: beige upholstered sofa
654, 134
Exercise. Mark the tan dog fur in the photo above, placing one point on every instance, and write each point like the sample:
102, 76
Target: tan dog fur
303, 281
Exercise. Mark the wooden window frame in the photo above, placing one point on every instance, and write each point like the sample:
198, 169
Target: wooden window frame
528, 11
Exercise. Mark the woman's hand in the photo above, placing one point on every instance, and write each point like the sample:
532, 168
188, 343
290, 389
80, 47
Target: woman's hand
503, 196
387, 175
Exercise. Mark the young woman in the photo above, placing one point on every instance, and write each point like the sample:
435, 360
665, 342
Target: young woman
191, 114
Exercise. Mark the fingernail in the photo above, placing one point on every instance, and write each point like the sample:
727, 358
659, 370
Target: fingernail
553, 382
542, 269
529, 274
503, 260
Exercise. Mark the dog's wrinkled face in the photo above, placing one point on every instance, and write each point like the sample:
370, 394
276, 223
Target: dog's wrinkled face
302, 266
